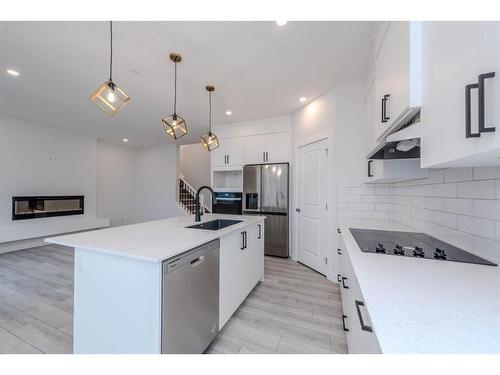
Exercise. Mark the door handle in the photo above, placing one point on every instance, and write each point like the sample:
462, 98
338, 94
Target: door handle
370, 168
298, 209
197, 261
343, 323
480, 95
260, 232
364, 327
468, 130
343, 283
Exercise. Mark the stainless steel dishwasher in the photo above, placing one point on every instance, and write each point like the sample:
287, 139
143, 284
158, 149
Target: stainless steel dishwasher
190, 304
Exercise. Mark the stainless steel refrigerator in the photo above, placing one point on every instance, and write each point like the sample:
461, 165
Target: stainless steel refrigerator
265, 193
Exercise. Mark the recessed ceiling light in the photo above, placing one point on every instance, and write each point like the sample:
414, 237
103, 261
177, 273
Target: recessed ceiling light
13, 72
125, 140
302, 99
281, 23
229, 113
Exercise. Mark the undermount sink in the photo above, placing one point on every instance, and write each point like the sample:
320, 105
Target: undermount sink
215, 224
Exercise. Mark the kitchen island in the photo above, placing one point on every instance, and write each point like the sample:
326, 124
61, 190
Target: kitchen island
119, 272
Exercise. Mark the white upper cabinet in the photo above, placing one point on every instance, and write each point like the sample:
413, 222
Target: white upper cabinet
457, 129
230, 152
267, 148
398, 75
370, 139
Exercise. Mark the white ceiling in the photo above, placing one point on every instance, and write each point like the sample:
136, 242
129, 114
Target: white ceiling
259, 70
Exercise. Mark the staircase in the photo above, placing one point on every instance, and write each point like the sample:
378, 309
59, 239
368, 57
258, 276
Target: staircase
187, 197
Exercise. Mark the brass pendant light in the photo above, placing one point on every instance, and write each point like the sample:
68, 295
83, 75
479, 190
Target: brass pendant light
174, 125
209, 140
109, 97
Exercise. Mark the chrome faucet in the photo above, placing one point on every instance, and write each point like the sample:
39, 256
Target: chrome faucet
197, 212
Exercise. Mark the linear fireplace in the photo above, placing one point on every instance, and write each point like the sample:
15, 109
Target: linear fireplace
32, 207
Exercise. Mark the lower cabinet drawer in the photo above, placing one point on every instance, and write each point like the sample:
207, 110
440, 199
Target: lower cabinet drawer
361, 337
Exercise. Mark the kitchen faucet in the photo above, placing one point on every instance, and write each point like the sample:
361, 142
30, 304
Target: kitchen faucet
197, 213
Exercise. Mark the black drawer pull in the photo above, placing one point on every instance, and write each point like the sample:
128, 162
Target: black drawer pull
468, 130
243, 241
480, 96
339, 278
370, 168
343, 323
364, 327
338, 230
339, 252
343, 282
260, 231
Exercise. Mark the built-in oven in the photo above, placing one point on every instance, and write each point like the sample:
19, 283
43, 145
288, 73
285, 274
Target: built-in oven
227, 203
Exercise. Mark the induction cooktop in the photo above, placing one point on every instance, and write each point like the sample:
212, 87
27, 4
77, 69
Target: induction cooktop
413, 245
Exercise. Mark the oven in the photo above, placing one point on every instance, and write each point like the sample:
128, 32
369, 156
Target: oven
227, 203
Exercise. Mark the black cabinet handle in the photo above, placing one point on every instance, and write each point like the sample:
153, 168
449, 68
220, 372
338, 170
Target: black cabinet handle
339, 252
263, 156
343, 323
468, 130
382, 115
370, 168
260, 231
242, 241
480, 95
338, 230
386, 115
245, 238
339, 278
343, 283
364, 327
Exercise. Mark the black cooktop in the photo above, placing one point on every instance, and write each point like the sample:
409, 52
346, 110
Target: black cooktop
414, 245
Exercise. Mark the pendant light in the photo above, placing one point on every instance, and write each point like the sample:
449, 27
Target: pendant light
174, 125
209, 140
109, 97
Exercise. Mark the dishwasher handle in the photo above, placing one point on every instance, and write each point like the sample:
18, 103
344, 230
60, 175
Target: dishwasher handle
197, 261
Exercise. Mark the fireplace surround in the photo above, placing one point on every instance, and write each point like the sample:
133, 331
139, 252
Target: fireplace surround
33, 207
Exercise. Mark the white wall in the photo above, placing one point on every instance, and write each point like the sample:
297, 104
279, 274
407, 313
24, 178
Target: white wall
125, 184
156, 178
116, 173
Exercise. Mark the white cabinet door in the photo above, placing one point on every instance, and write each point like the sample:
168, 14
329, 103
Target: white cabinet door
255, 247
232, 279
278, 147
230, 152
392, 72
370, 121
254, 149
454, 56
394, 170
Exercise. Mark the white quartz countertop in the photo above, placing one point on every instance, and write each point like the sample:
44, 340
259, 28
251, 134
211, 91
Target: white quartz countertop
153, 241
426, 306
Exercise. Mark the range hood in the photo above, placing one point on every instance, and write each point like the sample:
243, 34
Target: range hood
400, 141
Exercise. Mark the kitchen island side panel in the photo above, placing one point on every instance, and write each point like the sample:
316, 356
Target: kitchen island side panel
117, 306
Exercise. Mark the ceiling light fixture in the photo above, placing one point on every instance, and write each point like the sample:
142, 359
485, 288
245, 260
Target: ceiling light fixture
174, 125
13, 72
109, 97
281, 22
229, 113
125, 140
302, 99
209, 140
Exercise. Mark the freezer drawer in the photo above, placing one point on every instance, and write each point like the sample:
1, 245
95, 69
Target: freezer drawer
190, 304
276, 237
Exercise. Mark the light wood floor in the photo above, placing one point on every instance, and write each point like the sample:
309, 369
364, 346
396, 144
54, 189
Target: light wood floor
295, 310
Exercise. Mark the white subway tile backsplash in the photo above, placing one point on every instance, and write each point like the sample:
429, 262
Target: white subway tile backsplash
376, 215
488, 209
457, 174
445, 219
476, 189
362, 206
486, 173
384, 191
459, 206
362, 191
425, 214
476, 226
497, 189
446, 190
384, 207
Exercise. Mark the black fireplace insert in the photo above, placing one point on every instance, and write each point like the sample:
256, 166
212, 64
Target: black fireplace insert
32, 207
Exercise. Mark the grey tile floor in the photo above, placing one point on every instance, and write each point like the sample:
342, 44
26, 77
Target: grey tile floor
294, 310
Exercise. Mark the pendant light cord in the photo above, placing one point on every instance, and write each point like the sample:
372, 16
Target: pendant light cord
175, 87
210, 112
111, 51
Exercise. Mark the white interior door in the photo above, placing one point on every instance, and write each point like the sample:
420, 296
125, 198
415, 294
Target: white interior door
312, 175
